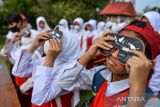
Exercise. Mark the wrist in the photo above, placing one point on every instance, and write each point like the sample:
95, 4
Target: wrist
91, 51
49, 61
138, 88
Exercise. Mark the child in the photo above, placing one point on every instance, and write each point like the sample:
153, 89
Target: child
112, 82
42, 24
68, 54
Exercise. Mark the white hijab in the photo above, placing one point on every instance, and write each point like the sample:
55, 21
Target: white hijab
81, 31
64, 23
154, 19
70, 48
108, 25
100, 26
80, 21
46, 28
94, 32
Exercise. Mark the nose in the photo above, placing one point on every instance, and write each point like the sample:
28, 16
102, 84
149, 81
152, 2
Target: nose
115, 53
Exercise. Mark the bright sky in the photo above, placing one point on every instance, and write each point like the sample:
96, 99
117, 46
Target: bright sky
141, 4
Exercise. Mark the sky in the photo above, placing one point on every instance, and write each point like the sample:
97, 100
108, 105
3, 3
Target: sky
141, 4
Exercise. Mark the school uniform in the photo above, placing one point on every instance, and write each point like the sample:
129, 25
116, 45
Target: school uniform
106, 93
46, 27
89, 36
46, 78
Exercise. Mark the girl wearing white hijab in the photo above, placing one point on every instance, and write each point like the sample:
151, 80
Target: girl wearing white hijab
64, 23
90, 34
154, 19
108, 26
46, 86
100, 27
78, 29
42, 24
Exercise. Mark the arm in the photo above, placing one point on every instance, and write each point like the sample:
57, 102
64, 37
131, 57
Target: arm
47, 85
78, 74
138, 68
24, 66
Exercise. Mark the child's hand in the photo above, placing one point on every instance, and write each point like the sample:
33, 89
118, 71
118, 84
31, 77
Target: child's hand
16, 38
100, 42
138, 68
53, 51
54, 48
40, 39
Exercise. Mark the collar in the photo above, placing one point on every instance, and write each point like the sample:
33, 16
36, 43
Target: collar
114, 87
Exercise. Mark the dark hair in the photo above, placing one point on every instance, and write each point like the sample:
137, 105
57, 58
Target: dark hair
13, 17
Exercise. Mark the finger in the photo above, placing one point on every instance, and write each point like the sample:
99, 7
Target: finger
107, 38
106, 33
127, 68
59, 43
46, 35
105, 44
43, 38
103, 47
133, 62
52, 44
138, 59
138, 53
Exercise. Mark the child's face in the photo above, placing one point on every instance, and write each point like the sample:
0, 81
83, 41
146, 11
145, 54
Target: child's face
112, 62
41, 25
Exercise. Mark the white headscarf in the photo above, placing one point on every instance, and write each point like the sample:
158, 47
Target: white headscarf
100, 26
89, 34
46, 28
94, 32
154, 19
108, 25
78, 33
64, 23
79, 20
70, 47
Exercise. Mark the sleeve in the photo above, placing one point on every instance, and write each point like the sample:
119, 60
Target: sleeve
7, 48
48, 85
45, 87
154, 82
78, 78
24, 65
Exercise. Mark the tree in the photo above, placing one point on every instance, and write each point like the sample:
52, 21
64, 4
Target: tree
53, 10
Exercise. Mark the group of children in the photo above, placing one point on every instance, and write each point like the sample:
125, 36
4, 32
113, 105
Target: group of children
50, 72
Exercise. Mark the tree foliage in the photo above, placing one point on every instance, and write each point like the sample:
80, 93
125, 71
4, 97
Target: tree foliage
53, 10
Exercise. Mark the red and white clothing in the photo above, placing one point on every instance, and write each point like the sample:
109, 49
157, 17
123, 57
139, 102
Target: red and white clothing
89, 36
80, 78
46, 84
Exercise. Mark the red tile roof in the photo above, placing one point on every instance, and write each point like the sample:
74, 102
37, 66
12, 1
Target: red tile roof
119, 8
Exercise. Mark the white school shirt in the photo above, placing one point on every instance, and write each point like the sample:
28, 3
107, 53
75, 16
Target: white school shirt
82, 79
45, 87
48, 84
154, 82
